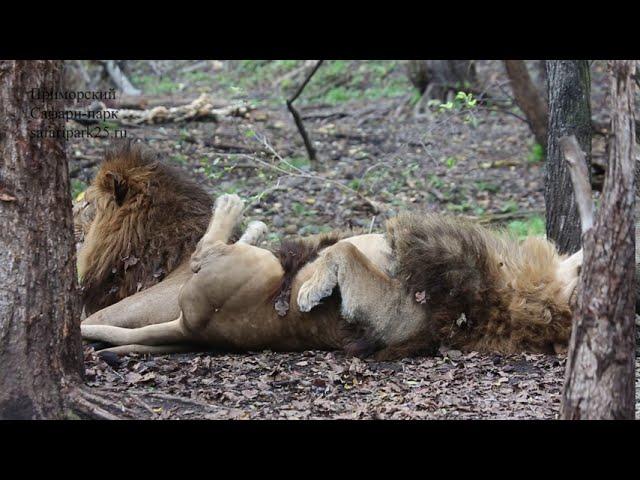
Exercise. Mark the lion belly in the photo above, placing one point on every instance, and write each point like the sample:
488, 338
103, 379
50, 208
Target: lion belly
228, 304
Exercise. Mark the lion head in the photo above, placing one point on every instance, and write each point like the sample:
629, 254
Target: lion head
139, 220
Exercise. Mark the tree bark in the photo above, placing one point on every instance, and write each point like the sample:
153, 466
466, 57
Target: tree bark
569, 84
600, 376
437, 78
40, 346
530, 102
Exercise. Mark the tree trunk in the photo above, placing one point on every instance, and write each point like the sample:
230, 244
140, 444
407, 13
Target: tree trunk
530, 102
637, 218
120, 78
569, 85
40, 346
437, 78
600, 378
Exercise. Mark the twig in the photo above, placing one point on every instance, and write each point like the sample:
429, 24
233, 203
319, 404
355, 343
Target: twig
298, 172
258, 198
501, 217
195, 66
175, 398
293, 73
580, 179
503, 110
298, 120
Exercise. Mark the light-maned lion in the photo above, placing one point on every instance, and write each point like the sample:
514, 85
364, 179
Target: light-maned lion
429, 280
139, 221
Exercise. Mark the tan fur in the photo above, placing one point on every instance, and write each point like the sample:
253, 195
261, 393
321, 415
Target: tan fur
359, 293
84, 212
140, 220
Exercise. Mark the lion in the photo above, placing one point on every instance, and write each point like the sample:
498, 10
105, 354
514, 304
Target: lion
430, 280
138, 223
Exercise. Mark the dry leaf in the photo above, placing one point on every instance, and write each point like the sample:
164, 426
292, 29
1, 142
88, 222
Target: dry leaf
421, 297
5, 197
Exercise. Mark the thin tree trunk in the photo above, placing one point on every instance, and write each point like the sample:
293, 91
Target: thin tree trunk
40, 346
600, 378
530, 102
120, 79
569, 84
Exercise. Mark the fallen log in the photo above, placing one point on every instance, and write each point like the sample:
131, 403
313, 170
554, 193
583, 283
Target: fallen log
203, 108
145, 102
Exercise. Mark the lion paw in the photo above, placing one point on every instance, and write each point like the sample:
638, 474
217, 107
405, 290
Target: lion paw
226, 216
254, 233
311, 293
229, 205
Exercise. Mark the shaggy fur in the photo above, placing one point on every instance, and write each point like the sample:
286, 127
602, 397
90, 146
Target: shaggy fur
148, 219
481, 290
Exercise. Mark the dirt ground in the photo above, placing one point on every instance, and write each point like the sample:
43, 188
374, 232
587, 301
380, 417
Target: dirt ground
376, 158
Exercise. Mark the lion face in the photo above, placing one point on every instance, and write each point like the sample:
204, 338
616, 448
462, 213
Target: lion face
84, 211
138, 221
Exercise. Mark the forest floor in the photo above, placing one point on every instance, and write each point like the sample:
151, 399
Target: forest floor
376, 158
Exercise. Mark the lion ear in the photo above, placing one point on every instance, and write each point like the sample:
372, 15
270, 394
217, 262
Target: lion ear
119, 186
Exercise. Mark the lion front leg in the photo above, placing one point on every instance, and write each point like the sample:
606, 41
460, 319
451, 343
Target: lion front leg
373, 303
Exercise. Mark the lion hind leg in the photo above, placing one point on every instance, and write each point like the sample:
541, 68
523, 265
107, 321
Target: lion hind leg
151, 349
227, 214
226, 217
158, 334
156, 304
254, 233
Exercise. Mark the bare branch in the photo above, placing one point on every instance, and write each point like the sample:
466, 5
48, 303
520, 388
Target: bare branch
298, 120
580, 178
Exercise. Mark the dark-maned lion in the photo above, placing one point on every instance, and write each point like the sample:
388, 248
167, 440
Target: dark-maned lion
429, 280
139, 221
